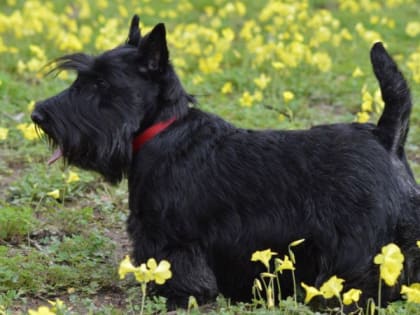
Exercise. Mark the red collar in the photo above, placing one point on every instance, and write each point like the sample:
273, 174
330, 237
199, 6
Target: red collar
150, 133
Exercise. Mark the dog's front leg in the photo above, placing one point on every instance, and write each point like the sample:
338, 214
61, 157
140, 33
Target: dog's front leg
191, 276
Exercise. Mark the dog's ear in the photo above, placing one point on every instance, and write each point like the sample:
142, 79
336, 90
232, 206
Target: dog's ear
154, 49
134, 34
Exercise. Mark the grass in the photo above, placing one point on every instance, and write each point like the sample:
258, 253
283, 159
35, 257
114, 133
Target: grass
68, 244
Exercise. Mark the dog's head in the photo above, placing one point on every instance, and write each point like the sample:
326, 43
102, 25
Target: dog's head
115, 96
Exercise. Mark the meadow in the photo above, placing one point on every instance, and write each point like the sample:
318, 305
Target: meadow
261, 64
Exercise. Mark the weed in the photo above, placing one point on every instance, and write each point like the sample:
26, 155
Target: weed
16, 222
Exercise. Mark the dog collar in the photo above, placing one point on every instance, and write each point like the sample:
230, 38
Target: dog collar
150, 133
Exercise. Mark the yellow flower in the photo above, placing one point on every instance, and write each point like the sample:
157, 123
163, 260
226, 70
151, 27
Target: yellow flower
192, 303
332, 287
414, 65
57, 305
179, 62
322, 60
227, 88
345, 34
377, 97
55, 194
3, 133
277, 65
37, 51
21, 67
297, 242
281, 117
63, 75
288, 96
228, 33
368, 35
29, 131
357, 73
257, 96
240, 8
31, 106
351, 296
263, 256
285, 264
142, 274
412, 29
257, 284
311, 292
160, 272
122, 11
72, 177
246, 99
362, 117
69, 42
197, 79
418, 244
262, 81
103, 4
367, 101
85, 34
412, 292
126, 267
390, 23
210, 64
42, 310
391, 263
268, 275
374, 19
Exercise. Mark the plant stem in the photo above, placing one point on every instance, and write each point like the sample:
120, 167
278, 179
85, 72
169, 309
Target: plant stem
279, 288
294, 287
261, 299
341, 304
379, 295
266, 291
64, 195
143, 297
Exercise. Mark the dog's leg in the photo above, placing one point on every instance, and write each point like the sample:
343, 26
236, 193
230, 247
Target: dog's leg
408, 233
191, 276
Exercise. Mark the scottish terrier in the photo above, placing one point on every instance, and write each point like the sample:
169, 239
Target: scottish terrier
205, 195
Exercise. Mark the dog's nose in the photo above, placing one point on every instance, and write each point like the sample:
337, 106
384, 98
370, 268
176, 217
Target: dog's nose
37, 117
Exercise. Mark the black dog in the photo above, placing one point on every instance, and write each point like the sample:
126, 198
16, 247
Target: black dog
205, 195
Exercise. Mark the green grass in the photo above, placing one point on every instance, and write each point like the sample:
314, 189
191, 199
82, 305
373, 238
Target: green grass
70, 247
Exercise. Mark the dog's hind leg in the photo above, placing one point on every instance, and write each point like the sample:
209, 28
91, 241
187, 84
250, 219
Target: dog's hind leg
392, 130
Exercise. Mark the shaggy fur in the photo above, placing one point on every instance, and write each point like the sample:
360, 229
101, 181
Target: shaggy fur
205, 195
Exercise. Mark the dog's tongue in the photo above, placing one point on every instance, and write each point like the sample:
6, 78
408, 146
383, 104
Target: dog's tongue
56, 155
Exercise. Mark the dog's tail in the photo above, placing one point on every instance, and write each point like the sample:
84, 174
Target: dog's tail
393, 126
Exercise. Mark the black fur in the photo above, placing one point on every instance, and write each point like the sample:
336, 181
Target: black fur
205, 195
